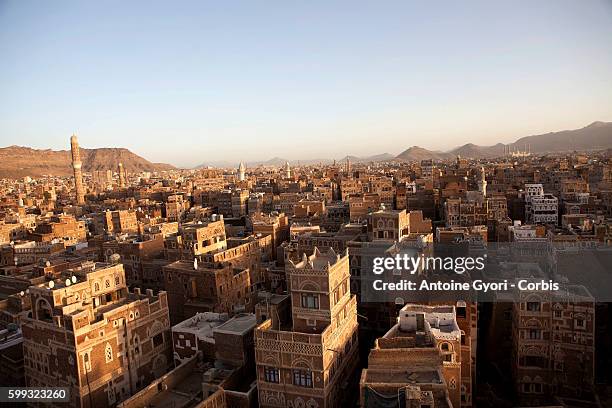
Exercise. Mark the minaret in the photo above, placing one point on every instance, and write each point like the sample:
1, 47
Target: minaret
241, 172
121, 176
482, 183
348, 165
287, 170
76, 166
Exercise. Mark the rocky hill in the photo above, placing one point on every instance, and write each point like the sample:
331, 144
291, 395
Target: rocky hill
416, 153
18, 161
596, 136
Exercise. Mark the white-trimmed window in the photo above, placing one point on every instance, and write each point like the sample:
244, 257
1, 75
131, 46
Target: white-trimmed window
108, 353
310, 301
302, 378
272, 374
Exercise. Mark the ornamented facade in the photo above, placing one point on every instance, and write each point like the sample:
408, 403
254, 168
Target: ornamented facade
87, 332
311, 365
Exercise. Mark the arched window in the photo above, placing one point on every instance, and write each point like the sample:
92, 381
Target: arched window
43, 310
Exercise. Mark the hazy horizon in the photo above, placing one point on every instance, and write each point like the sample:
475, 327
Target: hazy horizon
209, 82
232, 161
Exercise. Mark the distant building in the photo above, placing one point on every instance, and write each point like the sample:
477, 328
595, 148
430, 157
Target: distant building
115, 222
193, 289
241, 172
195, 239
390, 225
540, 208
76, 166
60, 228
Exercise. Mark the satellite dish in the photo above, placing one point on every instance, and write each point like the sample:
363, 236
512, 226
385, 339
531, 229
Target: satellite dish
68, 282
22, 293
74, 279
51, 284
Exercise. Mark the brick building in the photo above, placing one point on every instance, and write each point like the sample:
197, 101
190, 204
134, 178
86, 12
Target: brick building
115, 222
193, 288
63, 228
553, 337
311, 364
417, 362
113, 342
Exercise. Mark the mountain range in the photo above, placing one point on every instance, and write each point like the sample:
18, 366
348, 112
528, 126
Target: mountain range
596, 136
18, 161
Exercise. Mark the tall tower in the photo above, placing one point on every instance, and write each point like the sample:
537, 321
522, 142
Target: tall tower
287, 170
76, 166
348, 165
241, 172
324, 316
121, 176
482, 183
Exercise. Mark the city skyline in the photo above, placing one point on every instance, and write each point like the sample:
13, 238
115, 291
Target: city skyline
236, 83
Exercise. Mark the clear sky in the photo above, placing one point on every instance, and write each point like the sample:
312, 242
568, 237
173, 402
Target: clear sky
188, 82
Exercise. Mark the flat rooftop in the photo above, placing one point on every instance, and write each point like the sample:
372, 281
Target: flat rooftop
271, 298
238, 324
202, 324
387, 376
186, 393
